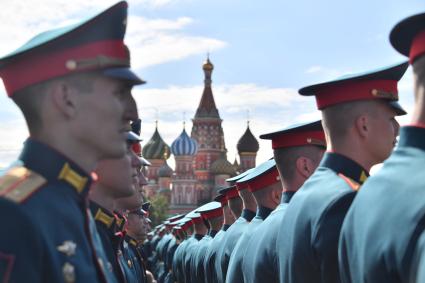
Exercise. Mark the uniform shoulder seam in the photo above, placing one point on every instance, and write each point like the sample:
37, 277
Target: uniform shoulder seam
19, 183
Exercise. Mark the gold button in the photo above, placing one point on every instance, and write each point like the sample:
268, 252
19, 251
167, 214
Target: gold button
71, 65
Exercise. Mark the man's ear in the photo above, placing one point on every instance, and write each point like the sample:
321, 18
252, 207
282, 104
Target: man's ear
362, 125
64, 98
305, 166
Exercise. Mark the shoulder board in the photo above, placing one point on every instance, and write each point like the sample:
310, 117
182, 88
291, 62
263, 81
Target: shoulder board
19, 183
353, 184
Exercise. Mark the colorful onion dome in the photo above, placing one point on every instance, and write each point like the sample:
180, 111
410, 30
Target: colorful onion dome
184, 145
156, 148
165, 170
248, 143
222, 166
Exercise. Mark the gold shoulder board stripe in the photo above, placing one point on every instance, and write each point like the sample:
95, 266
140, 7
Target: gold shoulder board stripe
19, 183
353, 184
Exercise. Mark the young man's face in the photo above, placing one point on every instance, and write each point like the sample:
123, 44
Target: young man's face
104, 117
118, 175
136, 226
384, 129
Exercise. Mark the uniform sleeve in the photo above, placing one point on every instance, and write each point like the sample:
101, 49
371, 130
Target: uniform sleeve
21, 252
325, 240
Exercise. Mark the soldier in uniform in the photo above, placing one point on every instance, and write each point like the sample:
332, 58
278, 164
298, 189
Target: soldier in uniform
236, 230
359, 121
264, 184
380, 235
213, 213
297, 151
177, 265
67, 82
116, 179
200, 230
228, 220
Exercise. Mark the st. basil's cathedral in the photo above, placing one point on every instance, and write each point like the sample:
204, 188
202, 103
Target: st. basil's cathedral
201, 165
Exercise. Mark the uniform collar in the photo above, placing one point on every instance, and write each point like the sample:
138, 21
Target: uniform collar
198, 236
212, 233
131, 241
343, 165
120, 220
412, 136
286, 196
225, 227
248, 214
55, 167
106, 218
263, 212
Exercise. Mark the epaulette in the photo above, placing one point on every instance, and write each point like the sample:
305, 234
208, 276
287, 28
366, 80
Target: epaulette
353, 184
19, 183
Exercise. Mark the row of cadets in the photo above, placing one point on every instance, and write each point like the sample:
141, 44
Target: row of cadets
265, 186
236, 230
212, 213
227, 197
200, 229
160, 270
185, 225
358, 116
169, 248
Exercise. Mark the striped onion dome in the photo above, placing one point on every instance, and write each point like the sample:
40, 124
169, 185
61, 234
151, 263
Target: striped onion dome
156, 148
184, 145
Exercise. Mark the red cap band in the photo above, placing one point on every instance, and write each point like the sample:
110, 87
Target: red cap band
418, 47
213, 213
21, 73
298, 139
356, 90
242, 186
233, 193
187, 225
137, 148
264, 180
197, 220
223, 201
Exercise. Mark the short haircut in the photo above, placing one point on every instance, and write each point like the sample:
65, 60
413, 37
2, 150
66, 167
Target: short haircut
236, 206
286, 157
30, 99
263, 194
339, 119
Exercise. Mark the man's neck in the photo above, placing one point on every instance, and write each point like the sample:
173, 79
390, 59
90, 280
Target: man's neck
79, 154
99, 196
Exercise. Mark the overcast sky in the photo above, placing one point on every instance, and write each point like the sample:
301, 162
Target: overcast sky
263, 52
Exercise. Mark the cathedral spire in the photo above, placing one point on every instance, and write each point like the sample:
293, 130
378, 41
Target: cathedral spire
207, 107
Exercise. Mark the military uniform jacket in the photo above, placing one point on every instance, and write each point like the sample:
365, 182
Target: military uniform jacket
50, 235
210, 255
308, 241
190, 251
260, 263
178, 260
228, 244
134, 267
197, 261
388, 217
234, 271
110, 228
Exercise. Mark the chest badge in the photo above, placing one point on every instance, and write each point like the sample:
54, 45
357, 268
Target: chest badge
68, 248
68, 271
